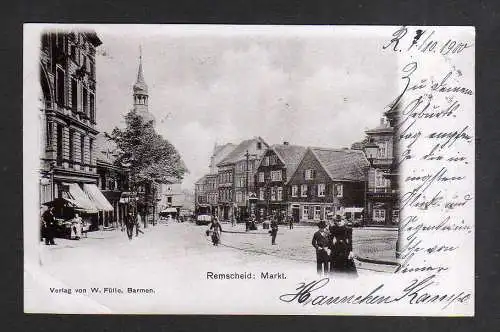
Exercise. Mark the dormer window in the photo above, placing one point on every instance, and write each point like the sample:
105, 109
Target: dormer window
259, 146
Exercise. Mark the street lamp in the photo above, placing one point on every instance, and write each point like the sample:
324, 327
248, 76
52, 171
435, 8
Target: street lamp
371, 151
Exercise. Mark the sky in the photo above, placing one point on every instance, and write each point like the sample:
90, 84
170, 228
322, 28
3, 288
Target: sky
309, 86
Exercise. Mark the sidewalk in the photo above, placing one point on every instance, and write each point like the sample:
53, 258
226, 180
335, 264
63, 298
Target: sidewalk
372, 246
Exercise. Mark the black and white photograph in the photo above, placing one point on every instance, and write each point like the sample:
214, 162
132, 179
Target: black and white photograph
220, 169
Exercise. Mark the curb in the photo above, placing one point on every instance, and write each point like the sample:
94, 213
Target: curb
249, 232
376, 261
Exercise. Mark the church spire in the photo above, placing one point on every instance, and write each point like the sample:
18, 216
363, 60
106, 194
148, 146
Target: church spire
140, 86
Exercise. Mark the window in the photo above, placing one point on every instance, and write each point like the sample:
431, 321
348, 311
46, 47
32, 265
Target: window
317, 212
71, 145
395, 216
321, 190
82, 148
338, 190
92, 108
91, 148
273, 159
276, 176
259, 146
279, 193
261, 177
380, 181
382, 150
72, 51
85, 101
379, 215
74, 95
305, 212
265, 162
60, 87
49, 134
328, 209
59, 152
239, 197
303, 190
295, 191
273, 194
309, 174
261, 194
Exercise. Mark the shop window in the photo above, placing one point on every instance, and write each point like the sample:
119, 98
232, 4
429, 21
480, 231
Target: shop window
379, 215
317, 212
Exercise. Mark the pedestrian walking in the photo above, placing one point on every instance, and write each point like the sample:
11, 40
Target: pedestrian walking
216, 230
49, 226
290, 222
76, 227
138, 225
341, 255
274, 231
321, 244
129, 224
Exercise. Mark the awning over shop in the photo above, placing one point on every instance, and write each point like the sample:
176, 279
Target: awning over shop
97, 197
353, 210
76, 196
169, 210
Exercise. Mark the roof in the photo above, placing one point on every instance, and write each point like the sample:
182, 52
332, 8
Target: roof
342, 164
290, 155
238, 153
140, 85
201, 180
383, 127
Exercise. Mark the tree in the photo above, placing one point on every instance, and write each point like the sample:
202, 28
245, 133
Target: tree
150, 158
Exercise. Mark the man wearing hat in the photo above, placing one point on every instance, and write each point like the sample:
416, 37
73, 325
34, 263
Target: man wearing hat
320, 243
341, 256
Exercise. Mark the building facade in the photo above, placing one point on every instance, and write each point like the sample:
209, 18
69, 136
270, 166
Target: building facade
382, 196
326, 180
201, 199
235, 178
112, 181
275, 168
68, 165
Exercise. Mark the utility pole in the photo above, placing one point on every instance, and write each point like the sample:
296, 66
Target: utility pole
247, 155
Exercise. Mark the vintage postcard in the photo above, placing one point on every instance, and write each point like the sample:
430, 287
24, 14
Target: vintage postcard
217, 169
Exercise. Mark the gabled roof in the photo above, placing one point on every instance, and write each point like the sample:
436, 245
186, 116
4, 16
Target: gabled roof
342, 164
201, 180
290, 155
238, 153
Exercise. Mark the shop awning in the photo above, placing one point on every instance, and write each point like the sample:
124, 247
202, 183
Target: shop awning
169, 210
353, 210
80, 199
97, 197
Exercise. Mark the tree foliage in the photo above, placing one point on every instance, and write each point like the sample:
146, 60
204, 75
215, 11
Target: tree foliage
149, 156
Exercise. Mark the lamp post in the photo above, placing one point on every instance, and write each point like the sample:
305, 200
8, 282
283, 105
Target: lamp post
247, 156
371, 150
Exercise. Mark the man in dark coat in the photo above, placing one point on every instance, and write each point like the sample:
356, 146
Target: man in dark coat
274, 230
320, 243
49, 222
341, 256
130, 222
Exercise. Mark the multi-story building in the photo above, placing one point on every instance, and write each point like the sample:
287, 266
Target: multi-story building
236, 178
68, 91
112, 181
170, 195
275, 168
326, 180
382, 195
206, 188
201, 200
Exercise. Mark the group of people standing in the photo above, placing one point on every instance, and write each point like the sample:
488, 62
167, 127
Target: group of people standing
333, 244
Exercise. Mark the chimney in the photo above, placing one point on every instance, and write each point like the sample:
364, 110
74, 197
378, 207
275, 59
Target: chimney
382, 122
286, 143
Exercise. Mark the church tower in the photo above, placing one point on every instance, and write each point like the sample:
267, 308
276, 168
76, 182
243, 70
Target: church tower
141, 95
